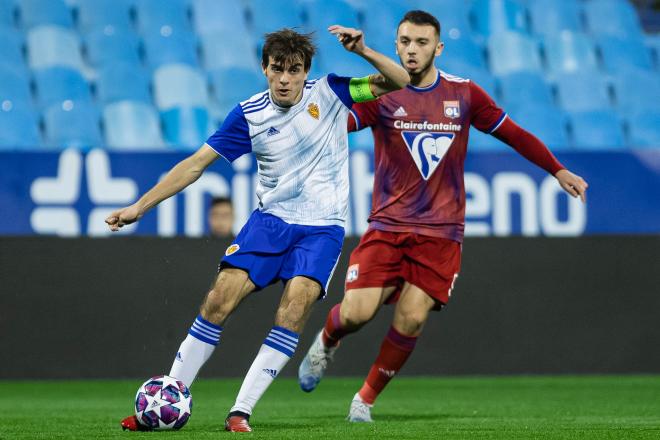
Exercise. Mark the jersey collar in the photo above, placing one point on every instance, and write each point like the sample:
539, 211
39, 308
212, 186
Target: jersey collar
427, 88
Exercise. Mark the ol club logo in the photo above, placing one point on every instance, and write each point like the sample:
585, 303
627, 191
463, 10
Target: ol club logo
352, 273
313, 110
232, 249
452, 109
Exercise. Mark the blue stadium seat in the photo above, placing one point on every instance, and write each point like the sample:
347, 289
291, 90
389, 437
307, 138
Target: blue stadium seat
547, 123
222, 48
453, 16
361, 140
18, 127
619, 54
597, 130
7, 9
644, 130
333, 58
524, 87
185, 127
104, 14
11, 54
582, 91
480, 141
154, 17
271, 15
653, 43
44, 12
178, 47
14, 86
380, 24
232, 85
72, 124
465, 49
612, 17
119, 82
568, 51
637, 90
210, 16
131, 125
496, 16
53, 46
178, 85
108, 46
479, 75
513, 52
320, 14
549, 17
58, 84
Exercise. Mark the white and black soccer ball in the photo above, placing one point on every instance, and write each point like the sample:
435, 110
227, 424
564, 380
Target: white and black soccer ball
163, 402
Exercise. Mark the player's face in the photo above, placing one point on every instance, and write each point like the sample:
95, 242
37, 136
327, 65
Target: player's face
285, 81
221, 220
417, 47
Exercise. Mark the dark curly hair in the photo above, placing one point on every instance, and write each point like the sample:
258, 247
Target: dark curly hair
287, 45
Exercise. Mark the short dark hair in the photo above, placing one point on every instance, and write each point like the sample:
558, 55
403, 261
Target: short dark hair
287, 45
219, 201
421, 18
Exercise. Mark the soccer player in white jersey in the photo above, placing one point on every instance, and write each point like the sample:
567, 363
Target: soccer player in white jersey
297, 130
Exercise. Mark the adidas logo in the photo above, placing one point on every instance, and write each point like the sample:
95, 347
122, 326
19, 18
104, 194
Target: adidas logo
400, 112
272, 373
272, 131
388, 373
155, 403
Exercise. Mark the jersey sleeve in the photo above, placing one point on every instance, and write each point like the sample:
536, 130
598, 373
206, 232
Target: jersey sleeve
486, 115
362, 115
351, 90
232, 139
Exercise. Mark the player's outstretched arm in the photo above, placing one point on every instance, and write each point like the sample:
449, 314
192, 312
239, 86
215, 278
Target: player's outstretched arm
572, 184
392, 76
183, 174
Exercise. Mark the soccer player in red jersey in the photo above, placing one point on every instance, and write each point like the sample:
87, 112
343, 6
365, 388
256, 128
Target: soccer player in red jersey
411, 252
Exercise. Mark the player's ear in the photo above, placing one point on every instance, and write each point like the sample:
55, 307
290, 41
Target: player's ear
439, 48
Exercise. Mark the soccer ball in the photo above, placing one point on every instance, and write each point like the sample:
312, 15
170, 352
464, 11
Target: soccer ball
163, 402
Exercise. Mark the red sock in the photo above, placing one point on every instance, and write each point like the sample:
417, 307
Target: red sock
394, 352
333, 331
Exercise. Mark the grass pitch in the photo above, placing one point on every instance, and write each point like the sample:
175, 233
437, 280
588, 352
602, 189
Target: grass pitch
608, 407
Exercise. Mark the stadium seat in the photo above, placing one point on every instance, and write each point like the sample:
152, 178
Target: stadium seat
320, 14
549, 17
178, 85
131, 125
119, 82
18, 127
612, 17
185, 127
582, 91
637, 90
271, 15
480, 141
453, 16
479, 75
332, 57
232, 85
547, 123
619, 54
464, 49
11, 54
14, 87
211, 16
644, 130
108, 46
50, 46
597, 130
179, 47
523, 87
496, 16
7, 10
154, 17
513, 52
380, 24
104, 14
228, 48
44, 12
568, 51
361, 140
58, 84
652, 42
72, 124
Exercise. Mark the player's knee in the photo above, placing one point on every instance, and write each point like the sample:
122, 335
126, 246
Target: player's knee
410, 322
216, 307
354, 315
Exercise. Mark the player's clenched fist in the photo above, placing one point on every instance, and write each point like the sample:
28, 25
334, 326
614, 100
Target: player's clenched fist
124, 216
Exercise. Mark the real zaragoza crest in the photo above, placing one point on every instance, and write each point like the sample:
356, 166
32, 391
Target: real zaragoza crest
313, 110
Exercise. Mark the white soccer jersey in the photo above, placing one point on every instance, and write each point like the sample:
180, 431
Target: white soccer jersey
301, 151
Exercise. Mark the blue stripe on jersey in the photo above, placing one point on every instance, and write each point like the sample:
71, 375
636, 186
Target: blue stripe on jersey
254, 103
497, 124
232, 139
257, 108
340, 85
283, 340
358, 124
205, 331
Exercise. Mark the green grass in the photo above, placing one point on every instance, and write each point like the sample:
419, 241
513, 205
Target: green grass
592, 407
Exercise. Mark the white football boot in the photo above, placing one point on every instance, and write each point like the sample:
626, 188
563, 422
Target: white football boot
313, 366
360, 411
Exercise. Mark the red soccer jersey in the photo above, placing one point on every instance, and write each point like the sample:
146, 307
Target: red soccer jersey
421, 137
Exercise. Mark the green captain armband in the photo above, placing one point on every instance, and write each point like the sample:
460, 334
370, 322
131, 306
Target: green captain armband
360, 90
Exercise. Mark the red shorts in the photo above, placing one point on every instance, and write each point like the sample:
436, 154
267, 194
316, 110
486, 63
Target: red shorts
385, 259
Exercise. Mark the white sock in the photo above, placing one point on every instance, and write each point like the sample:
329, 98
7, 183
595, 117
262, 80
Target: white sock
277, 349
195, 350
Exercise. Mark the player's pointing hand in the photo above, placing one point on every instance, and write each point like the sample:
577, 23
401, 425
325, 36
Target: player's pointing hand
124, 216
572, 184
351, 39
